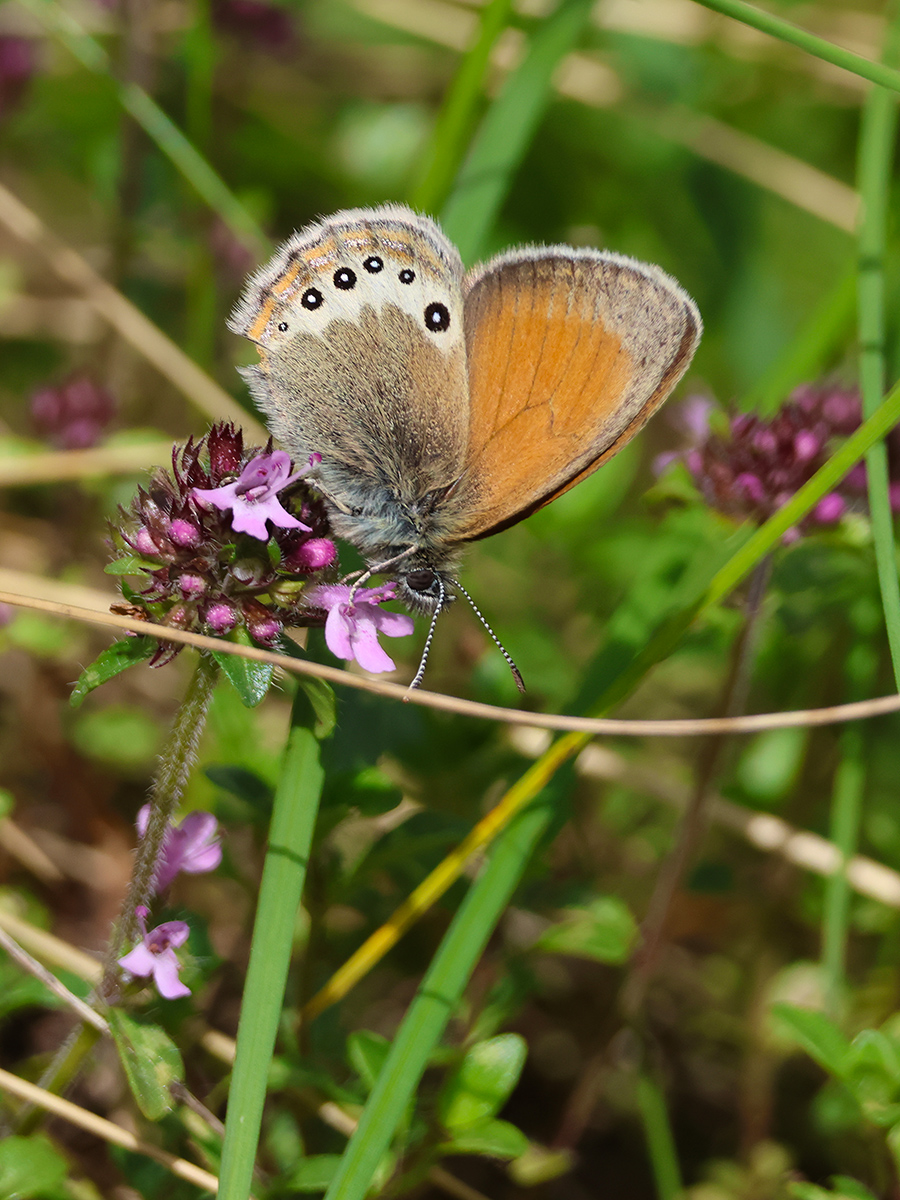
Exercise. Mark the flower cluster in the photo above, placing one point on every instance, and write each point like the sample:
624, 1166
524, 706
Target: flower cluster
74, 414
751, 470
222, 552
201, 535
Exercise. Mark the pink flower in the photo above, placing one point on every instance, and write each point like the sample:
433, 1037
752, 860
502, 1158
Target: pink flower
192, 846
155, 956
253, 497
351, 630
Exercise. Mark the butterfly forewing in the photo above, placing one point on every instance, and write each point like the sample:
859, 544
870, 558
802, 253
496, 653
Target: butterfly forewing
569, 353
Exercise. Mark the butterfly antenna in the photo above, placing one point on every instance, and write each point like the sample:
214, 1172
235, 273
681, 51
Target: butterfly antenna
516, 673
424, 659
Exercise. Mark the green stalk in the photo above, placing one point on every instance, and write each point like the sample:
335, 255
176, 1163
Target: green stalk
436, 1001
507, 130
294, 814
846, 810
660, 1142
454, 123
175, 765
876, 155
786, 32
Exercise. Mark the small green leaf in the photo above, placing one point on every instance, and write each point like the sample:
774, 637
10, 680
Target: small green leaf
251, 680
7, 803
323, 703
117, 658
604, 931
812, 1030
315, 1173
130, 564
367, 1052
481, 1084
497, 1139
30, 1167
151, 1062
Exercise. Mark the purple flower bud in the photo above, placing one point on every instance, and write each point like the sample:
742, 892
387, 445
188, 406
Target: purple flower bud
226, 450
312, 555
829, 509
765, 442
261, 624
184, 533
144, 543
806, 445
221, 617
751, 487
191, 585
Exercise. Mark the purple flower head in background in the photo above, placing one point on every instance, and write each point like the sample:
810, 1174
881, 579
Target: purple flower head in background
352, 629
16, 69
267, 26
754, 466
253, 497
192, 846
154, 955
74, 414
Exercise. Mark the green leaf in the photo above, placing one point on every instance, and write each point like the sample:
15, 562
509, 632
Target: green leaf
818, 1036
315, 1173
251, 680
30, 1167
481, 1084
151, 1061
117, 658
367, 1053
605, 931
130, 564
498, 1139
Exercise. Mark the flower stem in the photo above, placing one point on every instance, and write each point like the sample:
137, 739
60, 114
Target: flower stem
168, 787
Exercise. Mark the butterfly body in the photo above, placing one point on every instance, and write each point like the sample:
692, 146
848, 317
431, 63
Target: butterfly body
448, 405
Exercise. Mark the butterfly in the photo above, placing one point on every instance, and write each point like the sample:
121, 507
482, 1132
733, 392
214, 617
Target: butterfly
446, 404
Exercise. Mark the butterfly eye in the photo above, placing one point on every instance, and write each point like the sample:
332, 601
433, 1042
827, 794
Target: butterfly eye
406, 275
282, 326
345, 279
437, 318
312, 298
373, 264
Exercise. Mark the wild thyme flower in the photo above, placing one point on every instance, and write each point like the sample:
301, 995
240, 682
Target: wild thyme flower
191, 846
154, 955
352, 629
753, 468
203, 573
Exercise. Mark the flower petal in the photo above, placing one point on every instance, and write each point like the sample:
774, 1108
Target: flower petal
339, 628
139, 961
367, 651
393, 624
165, 976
